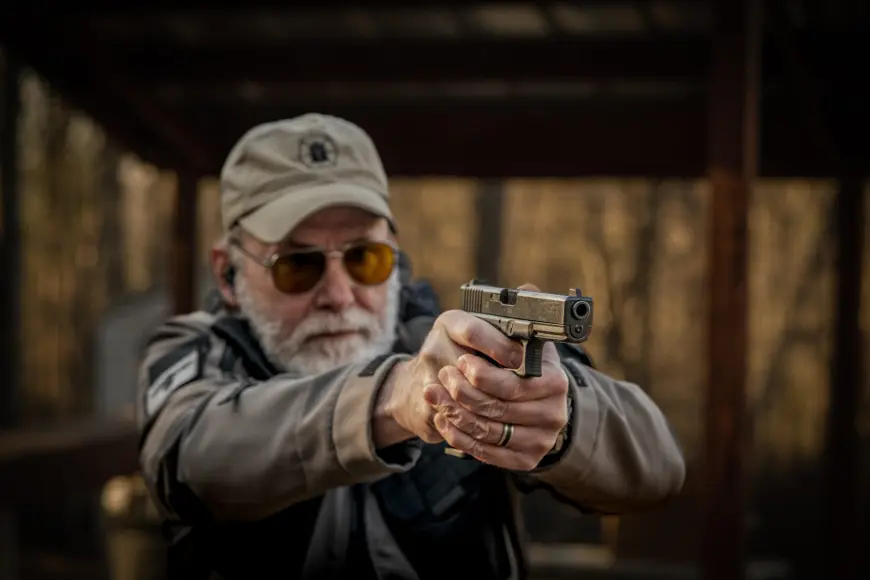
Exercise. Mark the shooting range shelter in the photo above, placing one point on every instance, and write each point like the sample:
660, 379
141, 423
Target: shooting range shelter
691, 89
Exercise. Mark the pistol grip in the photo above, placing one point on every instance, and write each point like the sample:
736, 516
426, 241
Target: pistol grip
533, 354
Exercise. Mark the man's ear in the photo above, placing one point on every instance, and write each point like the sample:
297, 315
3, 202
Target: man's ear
224, 273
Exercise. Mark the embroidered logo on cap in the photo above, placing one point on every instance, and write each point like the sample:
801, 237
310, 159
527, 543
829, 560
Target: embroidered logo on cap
318, 151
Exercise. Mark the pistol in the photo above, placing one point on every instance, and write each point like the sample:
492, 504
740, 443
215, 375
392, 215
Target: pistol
531, 317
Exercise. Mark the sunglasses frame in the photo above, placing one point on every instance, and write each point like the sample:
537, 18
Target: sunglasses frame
270, 262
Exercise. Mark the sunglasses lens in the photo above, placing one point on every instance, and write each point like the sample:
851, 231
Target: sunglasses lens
370, 264
294, 273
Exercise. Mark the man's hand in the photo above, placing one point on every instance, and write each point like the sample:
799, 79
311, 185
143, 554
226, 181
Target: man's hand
480, 399
448, 393
412, 386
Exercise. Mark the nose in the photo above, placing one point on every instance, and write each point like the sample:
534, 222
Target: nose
336, 288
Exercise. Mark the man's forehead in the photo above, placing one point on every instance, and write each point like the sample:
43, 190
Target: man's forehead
339, 216
340, 221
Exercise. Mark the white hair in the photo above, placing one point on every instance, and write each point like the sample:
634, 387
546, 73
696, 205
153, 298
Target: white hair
290, 349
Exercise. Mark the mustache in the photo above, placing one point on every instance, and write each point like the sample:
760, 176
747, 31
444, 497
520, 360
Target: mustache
305, 346
320, 323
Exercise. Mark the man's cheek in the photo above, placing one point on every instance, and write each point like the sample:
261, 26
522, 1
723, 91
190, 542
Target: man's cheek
291, 310
373, 300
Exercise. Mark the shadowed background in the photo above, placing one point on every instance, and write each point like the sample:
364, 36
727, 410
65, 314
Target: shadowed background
99, 246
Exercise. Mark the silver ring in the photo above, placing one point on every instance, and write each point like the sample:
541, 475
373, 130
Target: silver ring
507, 431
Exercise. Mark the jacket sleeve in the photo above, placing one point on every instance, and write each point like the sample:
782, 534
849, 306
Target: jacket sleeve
621, 454
236, 449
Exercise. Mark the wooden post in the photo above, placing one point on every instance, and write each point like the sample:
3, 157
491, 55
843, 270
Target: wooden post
10, 288
842, 482
184, 247
490, 212
841, 489
732, 167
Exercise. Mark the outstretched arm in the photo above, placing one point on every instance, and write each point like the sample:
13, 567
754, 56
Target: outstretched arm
239, 449
621, 454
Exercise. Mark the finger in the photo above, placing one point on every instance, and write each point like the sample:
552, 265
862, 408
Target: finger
487, 431
436, 394
550, 357
529, 287
506, 385
543, 413
469, 331
505, 457
464, 393
438, 350
426, 412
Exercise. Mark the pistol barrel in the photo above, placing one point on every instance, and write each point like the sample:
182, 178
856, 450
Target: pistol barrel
530, 314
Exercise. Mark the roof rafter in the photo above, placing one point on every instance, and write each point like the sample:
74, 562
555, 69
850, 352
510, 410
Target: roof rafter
538, 137
425, 60
111, 96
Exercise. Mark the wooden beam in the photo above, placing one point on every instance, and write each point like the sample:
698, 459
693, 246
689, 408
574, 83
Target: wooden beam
539, 137
38, 464
660, 58
10, 288
10, 243
100, 7
420, 60
494, 138
830, 124
732, 159
483, 137
172, 130
843, 543
184, 246
87, 68
127, 131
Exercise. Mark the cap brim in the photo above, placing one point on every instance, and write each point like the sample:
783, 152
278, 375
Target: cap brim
272, 222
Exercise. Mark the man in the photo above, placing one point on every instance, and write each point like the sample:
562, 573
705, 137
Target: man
298, 428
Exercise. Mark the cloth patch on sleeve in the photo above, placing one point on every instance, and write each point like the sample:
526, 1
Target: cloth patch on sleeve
179, 367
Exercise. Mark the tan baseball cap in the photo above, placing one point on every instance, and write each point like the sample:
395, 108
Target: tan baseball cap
279, 173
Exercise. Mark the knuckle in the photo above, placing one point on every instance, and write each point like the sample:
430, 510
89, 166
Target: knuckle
475, 448
472, 370
516, 390
449, 316
493, 408
452, 321
556, 420
560, 381
463, 397
462, 421
468, 331
542, 447
452, 387
480, 430
528, 463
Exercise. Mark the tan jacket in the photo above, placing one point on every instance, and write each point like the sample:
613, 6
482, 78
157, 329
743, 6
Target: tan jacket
247, 453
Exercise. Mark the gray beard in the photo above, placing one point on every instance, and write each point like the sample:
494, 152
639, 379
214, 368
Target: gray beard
290, 351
